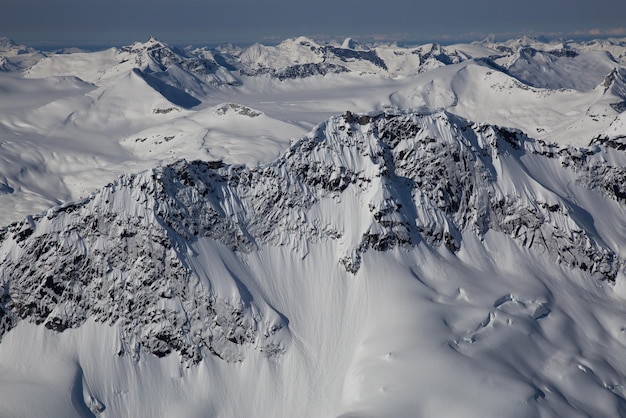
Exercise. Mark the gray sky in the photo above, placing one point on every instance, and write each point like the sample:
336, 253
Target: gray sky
118, 21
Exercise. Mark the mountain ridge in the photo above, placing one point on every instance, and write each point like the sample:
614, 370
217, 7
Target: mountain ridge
410, 177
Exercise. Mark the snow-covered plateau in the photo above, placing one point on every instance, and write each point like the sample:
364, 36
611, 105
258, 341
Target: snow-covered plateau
314, 230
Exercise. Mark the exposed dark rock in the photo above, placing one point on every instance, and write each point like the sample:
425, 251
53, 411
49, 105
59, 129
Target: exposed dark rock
430, 179
297, 71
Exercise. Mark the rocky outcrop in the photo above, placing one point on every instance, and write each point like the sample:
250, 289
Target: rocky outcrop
112, 258
297, 71
362, 182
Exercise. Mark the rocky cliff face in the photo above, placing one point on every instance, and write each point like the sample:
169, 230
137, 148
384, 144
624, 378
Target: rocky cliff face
362, 182
297, 71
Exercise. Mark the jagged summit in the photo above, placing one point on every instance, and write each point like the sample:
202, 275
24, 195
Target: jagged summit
14, 57
6, 43
160, 51
151, 43
177, 67
11, 48
350, 43
615, 82
153, 54
357, 183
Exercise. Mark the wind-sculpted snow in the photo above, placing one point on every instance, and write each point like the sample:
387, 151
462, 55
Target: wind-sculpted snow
368, 183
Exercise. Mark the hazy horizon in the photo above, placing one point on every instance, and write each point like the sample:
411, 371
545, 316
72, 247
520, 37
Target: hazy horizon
41, 44
74, 22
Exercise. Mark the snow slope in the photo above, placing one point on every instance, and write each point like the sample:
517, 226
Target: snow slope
400, 264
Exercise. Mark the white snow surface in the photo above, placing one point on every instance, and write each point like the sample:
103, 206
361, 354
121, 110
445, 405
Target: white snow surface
468, 312
416, 333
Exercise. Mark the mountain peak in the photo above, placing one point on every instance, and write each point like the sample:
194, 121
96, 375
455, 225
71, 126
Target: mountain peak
150, 44
616, 82
152, 55
8, 46
6, 43
350, 43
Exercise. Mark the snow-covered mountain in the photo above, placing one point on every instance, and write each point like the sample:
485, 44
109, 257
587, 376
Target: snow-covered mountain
208, 232
97, 106
14, 57
182, 261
